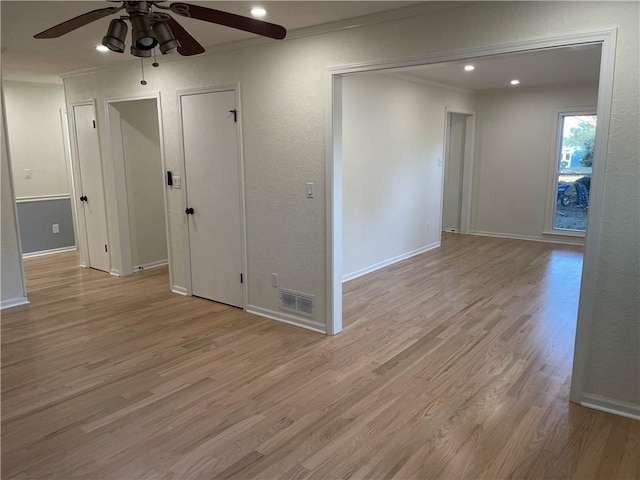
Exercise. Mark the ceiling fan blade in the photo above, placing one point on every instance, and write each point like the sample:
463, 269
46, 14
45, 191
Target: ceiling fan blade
232, 20
188, 44
77, 22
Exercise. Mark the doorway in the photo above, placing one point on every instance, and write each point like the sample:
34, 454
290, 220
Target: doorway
458, 164
602, 40
41, 169
213, 195
136, 148
89, 188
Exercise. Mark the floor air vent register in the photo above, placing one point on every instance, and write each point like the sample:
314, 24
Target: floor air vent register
301, 303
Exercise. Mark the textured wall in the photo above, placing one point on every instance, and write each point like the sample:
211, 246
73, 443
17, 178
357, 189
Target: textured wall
284, 99
514, 144
393, 132
11, 281
613, 359
35, 219
35, 134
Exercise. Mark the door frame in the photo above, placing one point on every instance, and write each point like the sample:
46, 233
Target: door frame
83, 242
467, 166
333, 175
120, 184
243, 224
66, 144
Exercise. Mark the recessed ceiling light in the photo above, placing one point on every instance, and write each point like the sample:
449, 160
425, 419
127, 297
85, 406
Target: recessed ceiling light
515, 82
102, 48
469, 68
258, 12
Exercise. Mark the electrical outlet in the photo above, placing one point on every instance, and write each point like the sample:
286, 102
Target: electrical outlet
56, 228
27, 173
274, 280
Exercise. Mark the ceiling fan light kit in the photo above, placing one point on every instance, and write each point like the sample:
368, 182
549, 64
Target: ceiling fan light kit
138, 52
143, 37
166, 41
116, 35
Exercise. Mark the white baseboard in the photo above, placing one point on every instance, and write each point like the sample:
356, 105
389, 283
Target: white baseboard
52, 251
13, 302
114, 272
179, 290
565, 241
288, 319
389, 261
149, 266
609, 405
83, 265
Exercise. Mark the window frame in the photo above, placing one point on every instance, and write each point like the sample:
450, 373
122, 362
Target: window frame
554, 171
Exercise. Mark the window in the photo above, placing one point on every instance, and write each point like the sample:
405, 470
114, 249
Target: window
572, 174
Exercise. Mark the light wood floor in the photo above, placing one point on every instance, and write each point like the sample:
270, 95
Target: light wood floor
454, 364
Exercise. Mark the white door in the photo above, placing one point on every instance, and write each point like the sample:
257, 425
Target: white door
212, 174
91, 190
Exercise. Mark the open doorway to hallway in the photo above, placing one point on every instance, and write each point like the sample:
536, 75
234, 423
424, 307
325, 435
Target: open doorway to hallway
136, 151
41, 169
459, 149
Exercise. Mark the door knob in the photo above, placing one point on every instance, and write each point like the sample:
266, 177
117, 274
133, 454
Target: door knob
83, 198
189, 211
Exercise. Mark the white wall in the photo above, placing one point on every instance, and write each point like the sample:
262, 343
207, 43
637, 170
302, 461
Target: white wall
514, 148
12, 290
393, 132
34, 130
453, 172
284, 95
144, 180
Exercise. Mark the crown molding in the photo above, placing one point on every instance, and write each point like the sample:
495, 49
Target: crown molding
412, 77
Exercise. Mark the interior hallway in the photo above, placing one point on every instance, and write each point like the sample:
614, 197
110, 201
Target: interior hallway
454, 364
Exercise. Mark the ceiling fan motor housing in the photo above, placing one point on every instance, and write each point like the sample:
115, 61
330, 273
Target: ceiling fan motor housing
137, 7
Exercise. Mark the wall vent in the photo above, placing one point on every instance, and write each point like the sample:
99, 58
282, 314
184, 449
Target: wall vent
301, 303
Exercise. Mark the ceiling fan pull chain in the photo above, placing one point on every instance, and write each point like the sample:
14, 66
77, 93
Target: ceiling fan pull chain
143, 81
155, 60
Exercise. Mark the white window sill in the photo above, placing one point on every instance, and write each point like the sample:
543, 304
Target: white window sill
565, 233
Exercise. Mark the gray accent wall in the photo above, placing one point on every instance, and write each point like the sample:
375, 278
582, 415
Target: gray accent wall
35, 220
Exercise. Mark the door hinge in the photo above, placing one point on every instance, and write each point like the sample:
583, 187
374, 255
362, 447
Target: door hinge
94, 124
105, 248
241, 279
235, 115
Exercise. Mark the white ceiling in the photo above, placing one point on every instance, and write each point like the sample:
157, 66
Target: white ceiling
28, 59
542, 68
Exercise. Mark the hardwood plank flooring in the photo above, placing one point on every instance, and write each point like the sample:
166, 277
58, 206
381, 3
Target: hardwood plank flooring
453, 364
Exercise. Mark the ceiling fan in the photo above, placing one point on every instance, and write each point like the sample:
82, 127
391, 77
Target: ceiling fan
151, 28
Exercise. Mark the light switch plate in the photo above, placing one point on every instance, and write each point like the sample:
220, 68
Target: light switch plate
311, 191
177, 181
